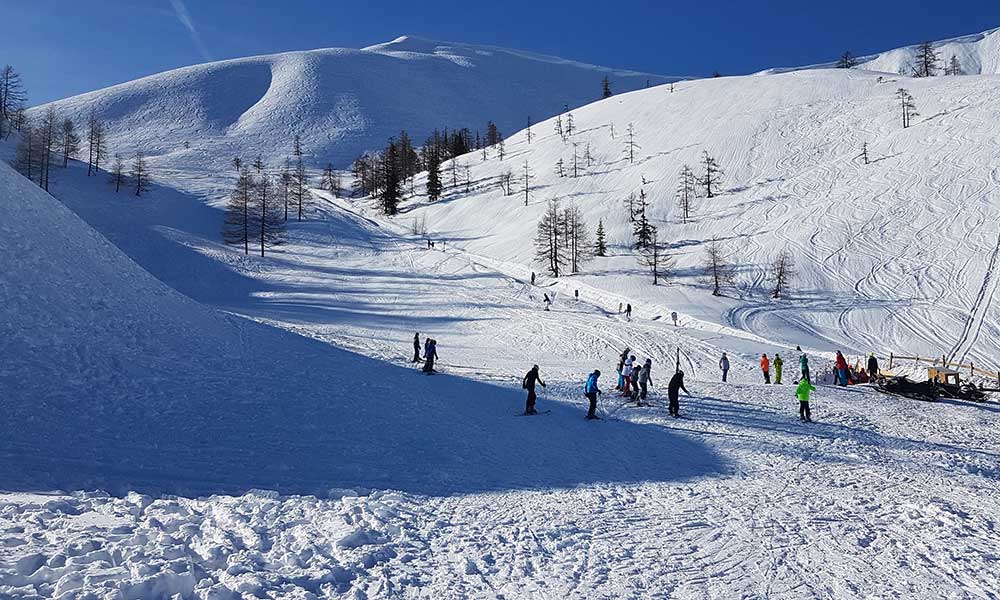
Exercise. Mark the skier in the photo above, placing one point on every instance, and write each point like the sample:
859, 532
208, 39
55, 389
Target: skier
872, 366
804, 365
546, 300
777, 369
673, 316
577, 293
802, 391
840, 367
430, 353
633, 382
627, 374
673, 391
529, 384
590, 390
416, 347
765, 367
724, 365
621, 368
645, 379
628, 312
532, 278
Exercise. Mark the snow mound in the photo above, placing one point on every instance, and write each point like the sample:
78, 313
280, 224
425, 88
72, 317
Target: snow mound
342, 102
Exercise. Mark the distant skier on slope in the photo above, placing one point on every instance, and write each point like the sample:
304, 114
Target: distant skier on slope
673, 316
777, 362
546, 300
765, 367
430, 354
628, 312
873, 371
416, 347
802, 392
529, 384
673, 392
645, 379
840, 369
724, 365
590, 390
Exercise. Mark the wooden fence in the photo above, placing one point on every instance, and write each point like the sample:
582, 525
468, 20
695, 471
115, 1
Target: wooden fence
971, 368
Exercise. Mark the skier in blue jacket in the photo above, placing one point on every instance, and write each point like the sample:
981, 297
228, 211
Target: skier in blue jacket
590, 390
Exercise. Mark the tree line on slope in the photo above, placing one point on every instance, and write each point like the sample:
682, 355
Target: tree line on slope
925, 62
51, 139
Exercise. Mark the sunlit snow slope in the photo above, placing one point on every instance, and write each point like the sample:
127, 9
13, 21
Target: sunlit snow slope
898, 255
341, 101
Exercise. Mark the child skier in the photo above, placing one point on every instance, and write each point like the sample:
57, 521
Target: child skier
590, 390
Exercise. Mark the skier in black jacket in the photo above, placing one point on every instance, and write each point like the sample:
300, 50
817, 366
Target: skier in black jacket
673, 390
872, 366
529, 384
416, 347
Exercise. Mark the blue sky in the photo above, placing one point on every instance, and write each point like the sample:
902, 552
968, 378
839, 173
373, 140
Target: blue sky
65, 47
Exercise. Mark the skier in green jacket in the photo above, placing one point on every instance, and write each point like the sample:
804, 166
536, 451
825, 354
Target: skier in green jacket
776, 363
802, 392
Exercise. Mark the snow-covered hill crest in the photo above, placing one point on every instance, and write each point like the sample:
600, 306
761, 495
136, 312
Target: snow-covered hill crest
341, 101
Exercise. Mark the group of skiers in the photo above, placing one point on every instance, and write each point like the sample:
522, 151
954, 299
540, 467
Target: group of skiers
635, 379
430, 353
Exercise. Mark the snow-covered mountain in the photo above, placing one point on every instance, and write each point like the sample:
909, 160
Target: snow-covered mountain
341, 101
897, 255
977, 54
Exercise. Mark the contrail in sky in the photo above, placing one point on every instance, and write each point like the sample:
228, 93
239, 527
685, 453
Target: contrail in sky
184, 17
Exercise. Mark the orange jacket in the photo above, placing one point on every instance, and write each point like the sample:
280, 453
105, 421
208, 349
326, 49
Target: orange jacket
765, 365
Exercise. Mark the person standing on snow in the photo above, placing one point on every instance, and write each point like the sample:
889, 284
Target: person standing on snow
645, 379
872, 366
627, 374
841, 369
532, 278
765, 367
804, 365
590, 390
634, 383
724, 365
621, 368
673, 392
802, 392
430, 354
673, 316
528, 383
416, 347
628, 312
777, 369
545, 298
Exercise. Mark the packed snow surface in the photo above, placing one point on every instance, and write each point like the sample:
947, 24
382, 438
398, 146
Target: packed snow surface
180, 420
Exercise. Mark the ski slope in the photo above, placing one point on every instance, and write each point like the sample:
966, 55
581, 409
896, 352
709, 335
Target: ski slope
172, 449
895, 256
181, 420
343, 102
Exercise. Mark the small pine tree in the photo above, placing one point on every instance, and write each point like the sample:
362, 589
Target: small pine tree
526, 178
954, 67
560, 168
569, 124
685, 192
118, 172
655, 259
642, 228
908, 107
630, 145
559, 127
710, 179
549, 239
719, 270
139, 173
271, 226
434, 186
605, 88
782, 272
258, 164
601, 245
528, 130
70, 141
847, 61
238, 224
925, 60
